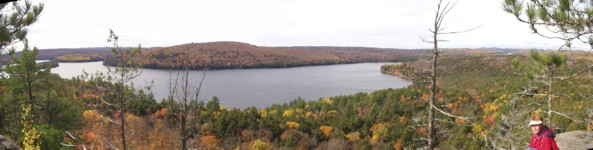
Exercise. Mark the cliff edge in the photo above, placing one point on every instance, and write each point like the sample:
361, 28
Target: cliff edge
575, 140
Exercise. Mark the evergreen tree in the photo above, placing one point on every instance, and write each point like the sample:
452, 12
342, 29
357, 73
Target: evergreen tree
15, 17
566, 20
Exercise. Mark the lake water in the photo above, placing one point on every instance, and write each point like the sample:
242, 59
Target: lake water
243, 88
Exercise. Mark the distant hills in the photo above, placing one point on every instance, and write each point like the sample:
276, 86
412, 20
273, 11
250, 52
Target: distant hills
53, 54
228, 55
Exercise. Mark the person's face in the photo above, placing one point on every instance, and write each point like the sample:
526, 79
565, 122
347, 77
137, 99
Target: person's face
536, 128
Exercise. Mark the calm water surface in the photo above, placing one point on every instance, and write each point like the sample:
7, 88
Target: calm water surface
243, 88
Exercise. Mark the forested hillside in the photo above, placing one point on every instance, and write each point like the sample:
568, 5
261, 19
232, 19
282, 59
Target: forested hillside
229, 55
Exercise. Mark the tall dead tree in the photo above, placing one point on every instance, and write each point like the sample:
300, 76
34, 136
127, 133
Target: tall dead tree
184, 103
438, 29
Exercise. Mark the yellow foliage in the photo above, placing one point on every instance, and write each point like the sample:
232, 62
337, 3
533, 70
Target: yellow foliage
292, 125
495, 115
494, 108
263, 112
90, 114
31, 134
74, 57
487, 107
332, 112
327, 101
273, 112
476, 128
378, 126
402, 119
327, 130
374, 139
288, 113
354, 136
398, 144
537, 112
260, 145
483, 133
379, 131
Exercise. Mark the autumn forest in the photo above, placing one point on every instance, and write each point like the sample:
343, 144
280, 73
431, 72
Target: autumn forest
459, 98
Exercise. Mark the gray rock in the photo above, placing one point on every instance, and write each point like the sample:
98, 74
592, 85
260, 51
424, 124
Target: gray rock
7, 144
575, 140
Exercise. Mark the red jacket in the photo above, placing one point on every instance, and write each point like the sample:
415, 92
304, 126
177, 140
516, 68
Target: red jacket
544, 140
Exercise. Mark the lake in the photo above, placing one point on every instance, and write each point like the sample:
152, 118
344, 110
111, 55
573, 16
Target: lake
243, 88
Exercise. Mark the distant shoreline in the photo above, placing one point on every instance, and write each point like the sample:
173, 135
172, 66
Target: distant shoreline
68, 61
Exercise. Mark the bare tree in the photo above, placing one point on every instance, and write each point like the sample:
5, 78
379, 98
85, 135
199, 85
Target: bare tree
184, 103
438, 29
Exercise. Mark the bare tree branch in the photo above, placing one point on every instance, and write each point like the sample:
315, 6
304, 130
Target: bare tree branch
75, 139
451, 115
463, 31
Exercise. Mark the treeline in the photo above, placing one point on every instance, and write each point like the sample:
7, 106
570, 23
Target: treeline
78, 58
232, 55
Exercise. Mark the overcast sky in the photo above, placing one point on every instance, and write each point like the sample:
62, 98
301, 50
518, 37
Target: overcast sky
369, 23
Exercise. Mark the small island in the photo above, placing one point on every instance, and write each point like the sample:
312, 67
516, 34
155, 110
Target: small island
48, 64
78, 58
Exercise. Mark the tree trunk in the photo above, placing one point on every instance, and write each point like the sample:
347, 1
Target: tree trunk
48, 103
122, 114
550, 81
431, 130
183, 127
184, 111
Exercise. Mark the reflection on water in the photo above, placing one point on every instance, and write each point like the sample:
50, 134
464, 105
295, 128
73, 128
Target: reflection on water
243, 88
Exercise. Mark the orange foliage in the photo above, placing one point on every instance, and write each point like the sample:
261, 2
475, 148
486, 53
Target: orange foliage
210, 141
425, 97
459, 121
464, 99
327, 130
90, 136
88, 96
398, 144
99, 131
450, 106
422, 131
161, 113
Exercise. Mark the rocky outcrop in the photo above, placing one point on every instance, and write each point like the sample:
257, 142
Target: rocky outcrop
575, 140
7, 144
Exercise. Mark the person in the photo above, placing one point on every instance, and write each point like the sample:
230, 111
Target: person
543, 136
